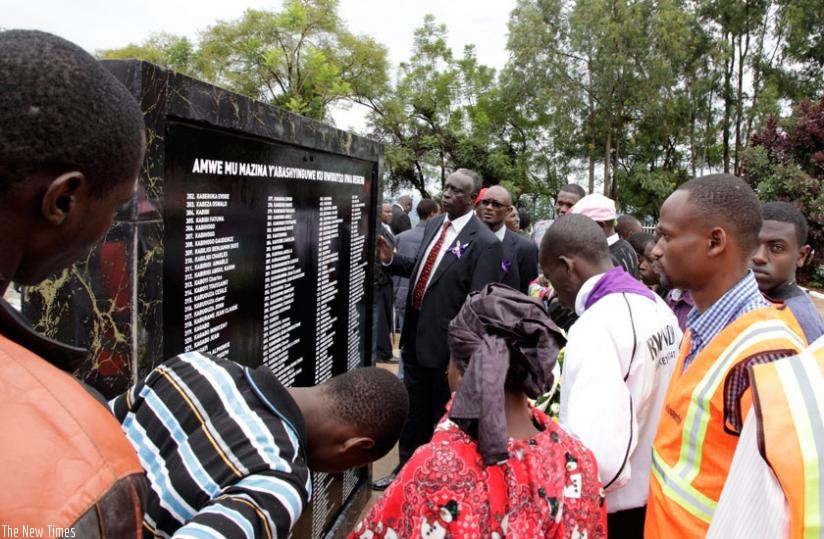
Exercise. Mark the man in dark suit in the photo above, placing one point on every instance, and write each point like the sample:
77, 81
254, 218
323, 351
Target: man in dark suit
407, 244
400, 215
457, 256
520, 263
382, 349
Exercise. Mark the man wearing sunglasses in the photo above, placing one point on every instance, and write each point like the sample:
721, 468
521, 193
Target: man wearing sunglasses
520, 264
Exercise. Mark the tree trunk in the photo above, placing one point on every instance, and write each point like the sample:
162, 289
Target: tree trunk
607, 157
616, 156
443, 171
729, 69
693, 157
743, 50
420, 181
592, 139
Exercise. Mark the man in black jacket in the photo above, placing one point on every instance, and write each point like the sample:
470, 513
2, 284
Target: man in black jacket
400, 215
457, 256
520, 263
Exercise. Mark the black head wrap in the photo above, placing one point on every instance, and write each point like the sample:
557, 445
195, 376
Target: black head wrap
500, 339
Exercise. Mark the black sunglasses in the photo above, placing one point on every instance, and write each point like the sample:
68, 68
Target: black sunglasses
495, 204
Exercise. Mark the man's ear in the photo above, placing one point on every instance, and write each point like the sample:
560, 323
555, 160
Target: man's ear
356, 445
60, 197
568, 262
803, 254
716, 241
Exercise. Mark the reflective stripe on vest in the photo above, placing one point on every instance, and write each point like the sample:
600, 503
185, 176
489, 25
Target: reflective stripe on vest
802, 384
681, 491
676, 481
698, 413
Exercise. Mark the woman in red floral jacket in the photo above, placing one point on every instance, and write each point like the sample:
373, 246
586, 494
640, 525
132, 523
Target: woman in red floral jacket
495, 467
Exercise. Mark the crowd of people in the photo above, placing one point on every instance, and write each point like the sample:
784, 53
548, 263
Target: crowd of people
691, 391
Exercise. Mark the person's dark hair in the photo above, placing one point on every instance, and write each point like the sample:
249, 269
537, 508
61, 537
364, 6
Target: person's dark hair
404, 199
374, 400
728, 199
426, 208
625, 223
575, 235
785, 212
61, 110
639, 242
477, 182
575, 189
524, 217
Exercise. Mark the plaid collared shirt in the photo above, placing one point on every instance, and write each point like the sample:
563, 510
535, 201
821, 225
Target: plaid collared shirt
704, 327
740, 299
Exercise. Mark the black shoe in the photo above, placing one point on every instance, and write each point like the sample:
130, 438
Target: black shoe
383, 482
390, 360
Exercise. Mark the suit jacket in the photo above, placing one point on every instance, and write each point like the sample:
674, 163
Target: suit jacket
406, 244
400, 220
520, 263
424, 334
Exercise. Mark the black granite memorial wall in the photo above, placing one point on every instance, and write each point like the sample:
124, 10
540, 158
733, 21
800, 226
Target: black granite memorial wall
250, 237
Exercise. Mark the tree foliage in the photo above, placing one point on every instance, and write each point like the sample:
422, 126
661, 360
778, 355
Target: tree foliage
786, 162
301, 58
631, 97
443, 113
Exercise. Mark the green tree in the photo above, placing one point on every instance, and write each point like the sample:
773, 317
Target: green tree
301, 58
174, 52
603, 81
786, 162
444, 112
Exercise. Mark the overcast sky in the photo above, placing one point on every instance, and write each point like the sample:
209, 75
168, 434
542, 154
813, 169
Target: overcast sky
106, 24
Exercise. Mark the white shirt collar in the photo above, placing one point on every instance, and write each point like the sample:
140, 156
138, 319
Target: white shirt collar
461, 221
612, 239
501, 232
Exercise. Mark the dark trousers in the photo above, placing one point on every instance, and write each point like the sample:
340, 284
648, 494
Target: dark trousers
627, 524
428, 394
383, 321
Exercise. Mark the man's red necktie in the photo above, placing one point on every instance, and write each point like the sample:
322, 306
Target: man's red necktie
420, 286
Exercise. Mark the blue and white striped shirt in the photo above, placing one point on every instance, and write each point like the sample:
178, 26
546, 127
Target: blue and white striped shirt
222, 446
704, 327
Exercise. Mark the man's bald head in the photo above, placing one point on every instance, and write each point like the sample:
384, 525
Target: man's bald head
573, 250
495, 205
499, 191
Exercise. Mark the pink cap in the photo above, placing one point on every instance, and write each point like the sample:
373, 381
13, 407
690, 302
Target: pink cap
596, 207
481, 195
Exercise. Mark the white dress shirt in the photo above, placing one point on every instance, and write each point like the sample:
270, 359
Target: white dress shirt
448, 243
752, 503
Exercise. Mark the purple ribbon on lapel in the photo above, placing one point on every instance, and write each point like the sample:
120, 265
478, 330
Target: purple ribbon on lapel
505, 265
459, 248
616, 281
